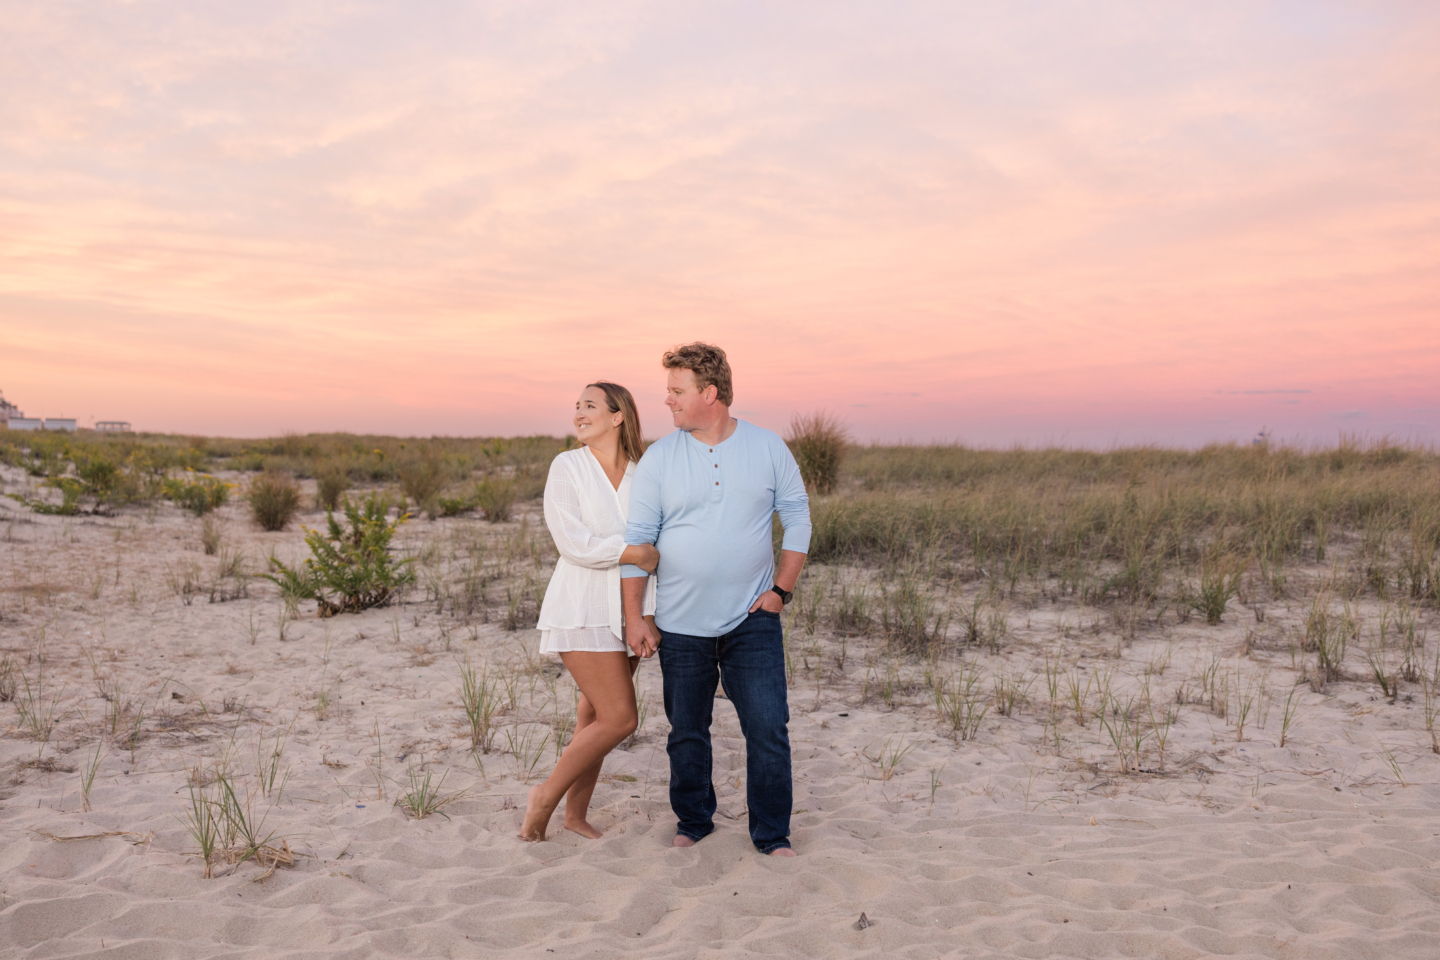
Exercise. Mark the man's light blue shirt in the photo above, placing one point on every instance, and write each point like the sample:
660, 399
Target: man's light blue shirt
708, 511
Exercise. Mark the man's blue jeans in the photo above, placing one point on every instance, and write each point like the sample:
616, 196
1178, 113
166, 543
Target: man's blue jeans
750, 660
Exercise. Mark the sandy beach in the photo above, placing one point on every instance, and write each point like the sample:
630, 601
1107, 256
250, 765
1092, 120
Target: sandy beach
1036, 838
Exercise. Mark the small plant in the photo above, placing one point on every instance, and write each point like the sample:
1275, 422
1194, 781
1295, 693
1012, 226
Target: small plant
424, 797
935, 784
961, 702
453, 506
211, 534
1288, 716
818, 443
349, 570
1126, 734
197, 492
7, 679
911, 616
87, 773
1219, 582
268, 757
243, 831
851, 612
495, 498
478, 700
526, 752
1244, 709
889, 757
131, 742
274, 500
1078, 696
37, 713
332, 479
1010, 693
202, 822
1387, 682
185, 579
1329, 635
1432, 706
421, 481
1160, 728
1392, 763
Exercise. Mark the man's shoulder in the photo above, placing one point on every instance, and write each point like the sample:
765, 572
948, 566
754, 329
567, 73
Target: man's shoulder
760, 438
755, 433
663, 447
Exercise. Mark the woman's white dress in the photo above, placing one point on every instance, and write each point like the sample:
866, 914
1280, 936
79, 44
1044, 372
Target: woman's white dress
586, 517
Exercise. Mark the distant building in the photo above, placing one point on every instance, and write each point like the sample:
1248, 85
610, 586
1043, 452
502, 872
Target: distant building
61, 424
25, 423
8, 411
112, 426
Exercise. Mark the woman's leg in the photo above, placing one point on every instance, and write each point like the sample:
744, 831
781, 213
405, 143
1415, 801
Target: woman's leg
577, 800
604, 680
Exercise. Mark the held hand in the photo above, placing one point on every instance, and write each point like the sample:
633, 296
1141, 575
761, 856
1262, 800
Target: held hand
643, 555
640, 638
769, 600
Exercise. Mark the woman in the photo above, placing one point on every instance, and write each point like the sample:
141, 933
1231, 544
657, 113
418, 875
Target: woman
587, 500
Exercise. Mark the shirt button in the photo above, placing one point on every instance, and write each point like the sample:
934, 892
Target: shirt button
717, 483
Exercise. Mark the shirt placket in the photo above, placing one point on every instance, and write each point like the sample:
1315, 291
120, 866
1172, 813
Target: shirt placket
713, 471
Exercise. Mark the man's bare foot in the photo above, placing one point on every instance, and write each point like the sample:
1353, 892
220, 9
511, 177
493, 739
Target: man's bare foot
583, 828
783, 852
537, 817
682, 841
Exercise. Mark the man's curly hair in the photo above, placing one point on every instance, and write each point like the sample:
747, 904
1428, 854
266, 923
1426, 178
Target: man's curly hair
709, 365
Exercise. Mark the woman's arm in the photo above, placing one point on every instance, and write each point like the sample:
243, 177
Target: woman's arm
643, 555
572, 538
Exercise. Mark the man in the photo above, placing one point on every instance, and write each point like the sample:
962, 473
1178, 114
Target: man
705, 495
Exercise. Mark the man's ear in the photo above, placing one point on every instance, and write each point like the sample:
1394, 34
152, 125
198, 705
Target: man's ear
710, 394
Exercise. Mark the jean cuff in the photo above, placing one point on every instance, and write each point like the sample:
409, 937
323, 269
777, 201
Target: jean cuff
772, 847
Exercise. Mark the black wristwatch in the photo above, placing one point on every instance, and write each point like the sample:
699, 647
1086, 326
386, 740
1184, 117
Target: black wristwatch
785, 595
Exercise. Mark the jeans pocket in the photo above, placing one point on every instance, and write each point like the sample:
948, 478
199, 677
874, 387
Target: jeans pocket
762, 612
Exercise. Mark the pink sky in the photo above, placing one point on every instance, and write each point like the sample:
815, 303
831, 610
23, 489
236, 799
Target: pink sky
1085, 223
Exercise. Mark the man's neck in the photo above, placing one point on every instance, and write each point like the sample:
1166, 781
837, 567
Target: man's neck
718, 430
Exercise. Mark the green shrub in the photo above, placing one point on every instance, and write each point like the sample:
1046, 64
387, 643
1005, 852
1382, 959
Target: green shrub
274, 500
100, 474
199, 494
332, 479
349, 570
818, 443
454, 506
496, 498
421, 481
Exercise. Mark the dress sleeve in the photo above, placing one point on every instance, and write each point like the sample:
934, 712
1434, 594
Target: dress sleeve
572, 538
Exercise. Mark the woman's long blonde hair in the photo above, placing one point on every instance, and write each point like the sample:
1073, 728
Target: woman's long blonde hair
618, 399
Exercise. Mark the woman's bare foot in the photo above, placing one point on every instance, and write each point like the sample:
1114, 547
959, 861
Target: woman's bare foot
682, 841
783, 852
537, 817
583, 828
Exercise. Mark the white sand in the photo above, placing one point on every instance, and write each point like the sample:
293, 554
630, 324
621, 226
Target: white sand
1240, 847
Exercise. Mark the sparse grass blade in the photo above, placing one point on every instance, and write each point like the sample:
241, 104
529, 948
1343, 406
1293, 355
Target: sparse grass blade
425, 796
